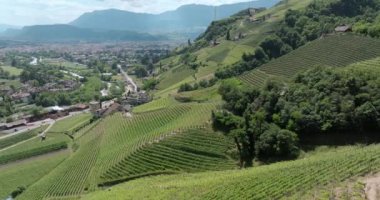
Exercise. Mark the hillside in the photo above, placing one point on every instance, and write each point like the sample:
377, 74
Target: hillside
182, 19
288, 180
333, 51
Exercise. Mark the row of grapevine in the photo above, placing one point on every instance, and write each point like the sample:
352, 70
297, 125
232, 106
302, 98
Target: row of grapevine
334, 51
9, 141
284, 180
124, 136
193, 150
254, 77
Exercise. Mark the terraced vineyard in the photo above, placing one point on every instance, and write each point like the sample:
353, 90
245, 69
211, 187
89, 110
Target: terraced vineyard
255, 77
334, 51
285, 180
155, 105
110, 142
191, 151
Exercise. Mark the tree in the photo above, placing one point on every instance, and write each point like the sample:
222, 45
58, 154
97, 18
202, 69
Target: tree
274, 47
189, 42
276, 144
141, 72
228, 36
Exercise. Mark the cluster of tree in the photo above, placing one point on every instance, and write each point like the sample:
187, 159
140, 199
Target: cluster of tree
302, 26
200, 85
51, 99
6, 106
6, 75
150, 84
40, 75
265, 123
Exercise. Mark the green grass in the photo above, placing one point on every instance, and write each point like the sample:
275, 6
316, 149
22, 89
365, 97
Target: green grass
9, 141
71, 124
12, 70
191, 151
27, 172
277, 181
334, 51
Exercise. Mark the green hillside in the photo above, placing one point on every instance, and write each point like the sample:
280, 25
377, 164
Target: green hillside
286, 180
334, 51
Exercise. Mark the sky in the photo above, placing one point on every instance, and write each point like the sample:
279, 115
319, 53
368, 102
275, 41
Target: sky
31, 12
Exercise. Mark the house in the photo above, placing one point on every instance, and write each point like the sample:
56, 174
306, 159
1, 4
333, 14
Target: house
343, 29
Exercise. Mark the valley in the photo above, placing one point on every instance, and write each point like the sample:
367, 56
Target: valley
273, 100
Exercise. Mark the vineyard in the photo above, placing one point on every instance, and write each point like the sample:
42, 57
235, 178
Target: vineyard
155, 105
334, 51
111, 142
284, 180
255, 77
191, 151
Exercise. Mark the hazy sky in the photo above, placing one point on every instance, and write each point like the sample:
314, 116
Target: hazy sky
29, 12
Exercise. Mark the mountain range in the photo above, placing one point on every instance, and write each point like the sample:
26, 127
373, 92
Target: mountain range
186, 18
120, 25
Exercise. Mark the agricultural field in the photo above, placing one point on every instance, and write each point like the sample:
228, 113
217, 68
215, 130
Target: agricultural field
110, 142
284, 180
27, 172
201, 95
333, 51
71, 124
188, 151
155, 105
13, 71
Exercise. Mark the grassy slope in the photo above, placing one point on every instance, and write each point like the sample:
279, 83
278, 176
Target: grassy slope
335, 51
276, 181
27, 172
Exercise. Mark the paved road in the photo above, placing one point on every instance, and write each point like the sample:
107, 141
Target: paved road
129, 80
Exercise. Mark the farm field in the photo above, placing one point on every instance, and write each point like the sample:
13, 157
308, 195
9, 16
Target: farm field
284, 180
12, 70
26, 173
155, 105
189, 151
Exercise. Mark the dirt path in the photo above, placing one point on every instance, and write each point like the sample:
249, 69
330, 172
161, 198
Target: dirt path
372, 187
22, 142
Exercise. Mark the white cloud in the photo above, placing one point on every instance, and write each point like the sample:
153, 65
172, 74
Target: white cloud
28, 12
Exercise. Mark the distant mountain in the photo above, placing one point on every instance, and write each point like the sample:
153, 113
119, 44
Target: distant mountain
188, 18
4, 27
67, 33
